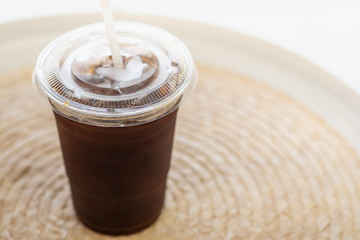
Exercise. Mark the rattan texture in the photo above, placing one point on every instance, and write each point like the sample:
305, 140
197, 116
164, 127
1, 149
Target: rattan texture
248, 163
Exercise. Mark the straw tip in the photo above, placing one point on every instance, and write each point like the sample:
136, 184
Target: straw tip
104, 3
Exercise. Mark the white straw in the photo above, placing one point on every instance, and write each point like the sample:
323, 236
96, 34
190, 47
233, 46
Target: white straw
110, 29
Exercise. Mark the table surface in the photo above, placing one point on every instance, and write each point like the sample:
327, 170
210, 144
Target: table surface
325, 32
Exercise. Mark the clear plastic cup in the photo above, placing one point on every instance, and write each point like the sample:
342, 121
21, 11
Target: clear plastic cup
116, 128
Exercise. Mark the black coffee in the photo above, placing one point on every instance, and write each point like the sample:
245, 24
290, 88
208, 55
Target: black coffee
117, 174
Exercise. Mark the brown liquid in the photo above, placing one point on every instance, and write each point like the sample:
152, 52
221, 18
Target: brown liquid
117, 174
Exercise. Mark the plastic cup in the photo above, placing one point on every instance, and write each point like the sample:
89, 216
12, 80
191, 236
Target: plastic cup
116, 135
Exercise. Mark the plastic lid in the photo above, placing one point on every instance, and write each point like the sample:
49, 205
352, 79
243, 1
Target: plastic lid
76, 74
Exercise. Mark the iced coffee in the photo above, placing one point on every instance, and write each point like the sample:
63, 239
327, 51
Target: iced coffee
116, 126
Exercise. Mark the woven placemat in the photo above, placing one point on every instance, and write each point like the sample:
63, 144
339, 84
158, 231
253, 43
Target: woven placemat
248, 163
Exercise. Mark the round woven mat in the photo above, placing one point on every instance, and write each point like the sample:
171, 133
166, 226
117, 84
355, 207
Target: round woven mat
248, 163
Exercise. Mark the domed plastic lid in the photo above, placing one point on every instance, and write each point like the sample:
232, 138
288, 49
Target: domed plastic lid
77, 75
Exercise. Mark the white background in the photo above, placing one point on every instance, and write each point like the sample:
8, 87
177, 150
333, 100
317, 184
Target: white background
326, 32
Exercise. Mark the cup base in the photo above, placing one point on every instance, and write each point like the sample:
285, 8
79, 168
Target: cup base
119, 231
